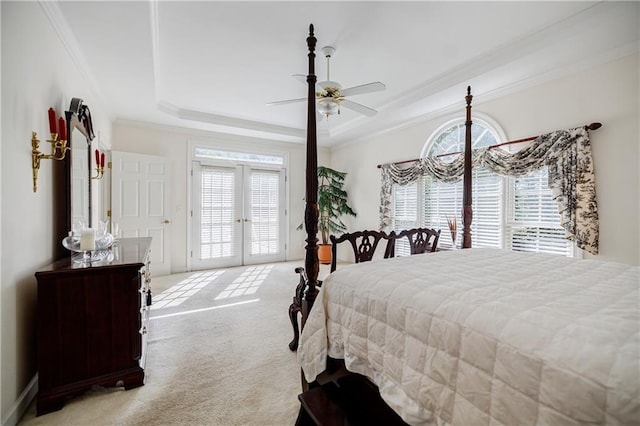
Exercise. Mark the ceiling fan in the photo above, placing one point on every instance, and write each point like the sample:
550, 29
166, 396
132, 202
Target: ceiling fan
331, 96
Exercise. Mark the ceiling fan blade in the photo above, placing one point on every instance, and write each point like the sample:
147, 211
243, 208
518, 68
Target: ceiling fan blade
376, 86
302, 78
288, 101
365, 110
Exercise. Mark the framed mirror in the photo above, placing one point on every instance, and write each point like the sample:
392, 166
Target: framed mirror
79, 135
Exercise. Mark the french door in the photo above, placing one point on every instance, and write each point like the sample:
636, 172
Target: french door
238, 215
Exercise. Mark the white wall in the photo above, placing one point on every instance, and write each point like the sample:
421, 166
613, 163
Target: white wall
37, 73
173, 143
607, 93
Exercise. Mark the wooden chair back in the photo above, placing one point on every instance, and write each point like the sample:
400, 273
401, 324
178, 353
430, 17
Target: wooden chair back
421, 240
363, 243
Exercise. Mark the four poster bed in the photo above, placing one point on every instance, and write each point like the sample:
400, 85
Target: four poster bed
479, 336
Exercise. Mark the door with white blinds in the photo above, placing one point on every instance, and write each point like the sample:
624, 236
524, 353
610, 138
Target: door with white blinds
238, 215
264, 209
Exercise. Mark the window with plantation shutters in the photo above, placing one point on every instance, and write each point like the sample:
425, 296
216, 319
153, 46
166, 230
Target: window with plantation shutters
405, 214
533, 220
515, 213
487, 209
444, 201
436, 201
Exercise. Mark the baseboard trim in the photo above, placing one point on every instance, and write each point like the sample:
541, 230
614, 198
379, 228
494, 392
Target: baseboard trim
22, 403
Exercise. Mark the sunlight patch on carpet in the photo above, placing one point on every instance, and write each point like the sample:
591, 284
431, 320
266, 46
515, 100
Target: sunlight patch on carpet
247, 283
195, 311
176, 294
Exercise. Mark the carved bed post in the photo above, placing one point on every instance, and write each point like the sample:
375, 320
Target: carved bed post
467, 210
311, 263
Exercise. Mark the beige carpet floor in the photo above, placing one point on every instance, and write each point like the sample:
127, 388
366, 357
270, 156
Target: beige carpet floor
217, 355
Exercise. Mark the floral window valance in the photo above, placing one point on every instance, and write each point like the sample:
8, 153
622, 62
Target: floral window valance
566, 153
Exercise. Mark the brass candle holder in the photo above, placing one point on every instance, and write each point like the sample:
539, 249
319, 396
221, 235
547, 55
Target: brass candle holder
99, 172
58, 151
99, 165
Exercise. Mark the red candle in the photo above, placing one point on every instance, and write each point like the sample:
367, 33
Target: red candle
63, 129
52, 120
102, 160
97, 158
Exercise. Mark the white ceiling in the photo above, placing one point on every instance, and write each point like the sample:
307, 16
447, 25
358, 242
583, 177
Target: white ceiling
215, 65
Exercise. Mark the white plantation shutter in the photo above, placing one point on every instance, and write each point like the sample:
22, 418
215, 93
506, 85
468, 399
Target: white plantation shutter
265, 212
217, 212
405, 214
534, 222
444, 200
486, 226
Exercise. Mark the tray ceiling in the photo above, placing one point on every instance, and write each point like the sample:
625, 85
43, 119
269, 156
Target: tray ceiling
215, 65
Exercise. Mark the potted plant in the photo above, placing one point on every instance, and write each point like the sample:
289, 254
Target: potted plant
332, 204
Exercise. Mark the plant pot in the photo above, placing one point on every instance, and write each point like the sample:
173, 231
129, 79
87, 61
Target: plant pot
324, 253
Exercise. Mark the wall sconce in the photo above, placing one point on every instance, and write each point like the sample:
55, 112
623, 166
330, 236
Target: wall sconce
99, 165
58, 143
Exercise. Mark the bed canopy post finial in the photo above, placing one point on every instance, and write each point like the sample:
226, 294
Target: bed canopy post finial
311, 264
467, 209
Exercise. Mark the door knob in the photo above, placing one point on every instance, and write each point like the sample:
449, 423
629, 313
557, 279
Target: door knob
247, 220
238, 220
166, 221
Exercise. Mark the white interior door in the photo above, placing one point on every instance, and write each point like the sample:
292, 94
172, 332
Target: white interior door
140, 203
238, 215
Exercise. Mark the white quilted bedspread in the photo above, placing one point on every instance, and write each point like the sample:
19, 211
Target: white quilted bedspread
486, 337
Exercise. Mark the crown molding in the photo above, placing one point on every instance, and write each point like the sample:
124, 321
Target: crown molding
68, 40
191, 133
296, 134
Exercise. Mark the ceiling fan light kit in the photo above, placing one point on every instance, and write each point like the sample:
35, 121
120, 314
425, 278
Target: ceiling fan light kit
327, 107
330, 94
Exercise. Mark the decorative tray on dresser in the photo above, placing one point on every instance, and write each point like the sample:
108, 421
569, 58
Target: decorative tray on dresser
93, 322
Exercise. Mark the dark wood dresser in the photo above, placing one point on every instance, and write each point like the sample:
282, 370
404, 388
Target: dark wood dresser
93, 323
